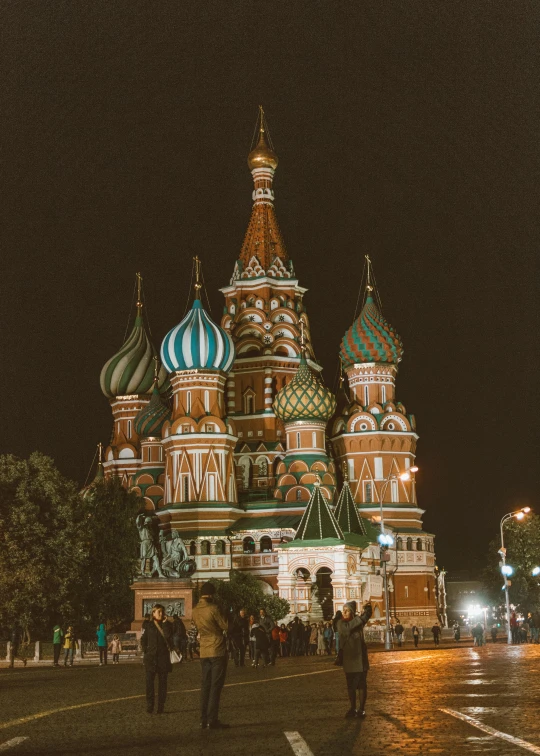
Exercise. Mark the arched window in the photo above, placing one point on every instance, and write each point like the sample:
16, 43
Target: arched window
220, 547
298, 494
409, 544
266, 543
249, 404
419, 544
205, 547
249, 545
399, 544
192, 548
394, 490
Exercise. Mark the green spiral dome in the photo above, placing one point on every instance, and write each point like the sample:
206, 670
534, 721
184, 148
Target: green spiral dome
305, 397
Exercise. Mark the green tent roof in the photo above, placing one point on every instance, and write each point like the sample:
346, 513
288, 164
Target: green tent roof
318, 522
347, 513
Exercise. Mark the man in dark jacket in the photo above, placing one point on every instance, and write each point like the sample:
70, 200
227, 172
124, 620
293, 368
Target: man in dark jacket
240, 637
212, 628
355, 656
296, 630
399, 632
156, 642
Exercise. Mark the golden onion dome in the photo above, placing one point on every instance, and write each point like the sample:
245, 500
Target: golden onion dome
305, 397
262, 156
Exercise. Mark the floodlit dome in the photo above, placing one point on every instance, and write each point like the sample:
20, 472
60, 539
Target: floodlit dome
370, 339
305, 397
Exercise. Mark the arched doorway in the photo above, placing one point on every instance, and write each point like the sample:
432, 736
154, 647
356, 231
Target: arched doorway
325, 592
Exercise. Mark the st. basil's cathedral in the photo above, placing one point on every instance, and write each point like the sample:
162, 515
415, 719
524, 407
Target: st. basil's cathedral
234, 442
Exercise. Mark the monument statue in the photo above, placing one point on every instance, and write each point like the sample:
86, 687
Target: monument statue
148, 547
174, 554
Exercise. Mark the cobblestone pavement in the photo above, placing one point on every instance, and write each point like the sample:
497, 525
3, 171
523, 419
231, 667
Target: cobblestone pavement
420, 702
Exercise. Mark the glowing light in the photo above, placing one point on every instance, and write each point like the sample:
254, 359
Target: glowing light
507, 570
414, 469
526, 510
385, 539
405, 476
536, 571
519, 515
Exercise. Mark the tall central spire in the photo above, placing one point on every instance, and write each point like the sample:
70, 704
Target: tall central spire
263, 251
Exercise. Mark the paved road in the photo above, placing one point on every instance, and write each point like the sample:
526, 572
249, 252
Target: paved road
424, 702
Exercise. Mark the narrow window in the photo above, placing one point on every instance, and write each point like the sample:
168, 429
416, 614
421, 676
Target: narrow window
379, 468
314, 440
129, 428
207, 401
394, 490
368, 495
419, 544
409, 544
366, 396
298, 494
297, 440
188, 402
161, 454
186, 488
399, 544
406, 591
211, 488
383, 394
351, 469
192, 548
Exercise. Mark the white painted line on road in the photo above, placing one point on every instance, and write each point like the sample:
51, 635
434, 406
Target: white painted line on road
490, 731
11, 743
298, 744
41, 714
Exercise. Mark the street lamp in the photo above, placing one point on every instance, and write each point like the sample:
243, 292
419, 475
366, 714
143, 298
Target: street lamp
506, 570
385, 541
536, 571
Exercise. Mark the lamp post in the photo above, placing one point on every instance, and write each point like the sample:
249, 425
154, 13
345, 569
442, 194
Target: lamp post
506, 570
385, 541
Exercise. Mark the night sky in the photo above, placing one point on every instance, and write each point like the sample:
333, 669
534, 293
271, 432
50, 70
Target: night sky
405, 130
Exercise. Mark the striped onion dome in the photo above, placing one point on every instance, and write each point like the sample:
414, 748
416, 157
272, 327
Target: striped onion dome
197, 343
370, 339
131, 369
150, 419
305, 397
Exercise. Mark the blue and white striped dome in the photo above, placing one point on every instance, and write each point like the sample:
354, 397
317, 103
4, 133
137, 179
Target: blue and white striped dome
197, 343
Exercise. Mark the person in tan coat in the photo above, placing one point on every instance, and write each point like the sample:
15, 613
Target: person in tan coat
212, 627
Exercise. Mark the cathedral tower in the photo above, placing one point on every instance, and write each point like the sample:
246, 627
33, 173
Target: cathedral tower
263, 313
127, 380
198, 439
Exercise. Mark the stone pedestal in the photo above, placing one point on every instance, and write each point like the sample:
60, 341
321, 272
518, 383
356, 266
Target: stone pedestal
175, 594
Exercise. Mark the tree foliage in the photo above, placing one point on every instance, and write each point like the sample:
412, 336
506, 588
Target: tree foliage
522, 542
245, 591
37, 552
63, 556
108, 553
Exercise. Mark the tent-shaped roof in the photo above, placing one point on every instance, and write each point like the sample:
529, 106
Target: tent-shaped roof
346, 512
318, 522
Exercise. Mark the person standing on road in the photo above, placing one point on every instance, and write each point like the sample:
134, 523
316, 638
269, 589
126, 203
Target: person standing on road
262, 644
457, 632
494, 634
338, 615
101, 634
192, 635
355, 656
156, 642
436, 630
70, 646
16, 643
415, 635
294, 636
535, 627
274, 645
240, 637
283, 641
212, 628
399, 630
58, 634
116, 649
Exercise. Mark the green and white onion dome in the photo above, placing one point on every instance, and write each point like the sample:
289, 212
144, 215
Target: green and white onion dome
197, 343
150, 419
305, 397
370, 339
131, 369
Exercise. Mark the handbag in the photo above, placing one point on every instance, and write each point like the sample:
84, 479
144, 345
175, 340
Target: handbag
175, 657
